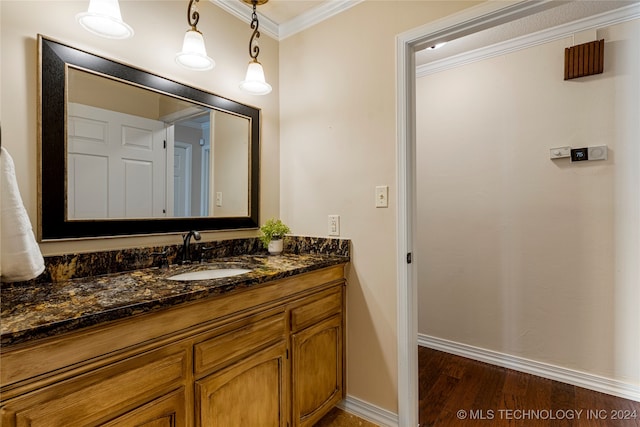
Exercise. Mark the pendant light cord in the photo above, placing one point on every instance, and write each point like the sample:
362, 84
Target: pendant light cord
254, 49
192, 15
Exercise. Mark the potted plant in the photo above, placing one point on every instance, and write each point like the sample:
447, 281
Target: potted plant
272, 233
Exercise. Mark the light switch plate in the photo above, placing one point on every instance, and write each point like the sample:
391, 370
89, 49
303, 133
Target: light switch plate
382, 196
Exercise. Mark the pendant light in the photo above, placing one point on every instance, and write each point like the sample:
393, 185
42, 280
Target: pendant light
194, 55
103, 19
254, 82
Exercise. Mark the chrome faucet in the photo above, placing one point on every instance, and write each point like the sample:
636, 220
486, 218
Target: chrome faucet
186, 241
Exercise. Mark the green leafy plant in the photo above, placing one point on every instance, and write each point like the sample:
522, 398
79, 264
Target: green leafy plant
273, 229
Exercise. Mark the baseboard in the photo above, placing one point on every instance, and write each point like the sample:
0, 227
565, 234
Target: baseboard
369, 412
552, 372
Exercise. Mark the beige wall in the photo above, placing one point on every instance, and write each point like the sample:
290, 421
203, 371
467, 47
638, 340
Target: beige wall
338, 142
518, 253
230, 150
159, 28
97, 91
338, 133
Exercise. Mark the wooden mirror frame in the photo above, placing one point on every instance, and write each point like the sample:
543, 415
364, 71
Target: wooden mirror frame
54, 58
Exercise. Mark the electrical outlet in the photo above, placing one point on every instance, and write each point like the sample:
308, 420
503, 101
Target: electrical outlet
334, 225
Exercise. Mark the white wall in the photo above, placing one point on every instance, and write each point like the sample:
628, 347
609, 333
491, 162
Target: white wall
518, 253
159, 29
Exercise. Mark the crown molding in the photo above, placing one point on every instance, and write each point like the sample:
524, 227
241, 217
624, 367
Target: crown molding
243, 12
613, 17
308, 19
314, 16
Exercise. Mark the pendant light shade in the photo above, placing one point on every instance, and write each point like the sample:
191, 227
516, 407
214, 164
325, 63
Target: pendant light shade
194, 55
103, 19
254, 82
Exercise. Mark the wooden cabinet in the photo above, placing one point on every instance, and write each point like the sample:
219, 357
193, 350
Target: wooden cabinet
241, 371
251, 392
148, 388
317, 357
165, 411
268, 357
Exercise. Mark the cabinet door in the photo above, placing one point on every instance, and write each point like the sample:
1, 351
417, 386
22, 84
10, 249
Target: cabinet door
97, 397
167, 411
316, 370
251, 392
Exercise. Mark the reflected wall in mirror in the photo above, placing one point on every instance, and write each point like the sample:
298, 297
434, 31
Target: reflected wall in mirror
124, 151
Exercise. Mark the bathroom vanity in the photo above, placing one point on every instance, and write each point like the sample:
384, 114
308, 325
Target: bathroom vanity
264, 348
130, 345
107, 340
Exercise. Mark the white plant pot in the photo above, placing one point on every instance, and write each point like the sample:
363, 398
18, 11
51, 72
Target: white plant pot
276, 246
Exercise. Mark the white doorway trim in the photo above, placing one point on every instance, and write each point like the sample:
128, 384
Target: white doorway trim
477, 18
205, 180
188, 175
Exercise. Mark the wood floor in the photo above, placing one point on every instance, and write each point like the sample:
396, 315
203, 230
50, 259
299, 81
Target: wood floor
460, 392
339, 418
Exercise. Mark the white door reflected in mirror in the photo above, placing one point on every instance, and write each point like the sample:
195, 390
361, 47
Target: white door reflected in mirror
136, 153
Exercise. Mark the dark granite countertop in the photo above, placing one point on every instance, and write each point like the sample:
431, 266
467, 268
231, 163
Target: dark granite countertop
48, 309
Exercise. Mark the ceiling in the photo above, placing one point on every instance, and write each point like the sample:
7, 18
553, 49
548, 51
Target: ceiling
555, 14
280, 19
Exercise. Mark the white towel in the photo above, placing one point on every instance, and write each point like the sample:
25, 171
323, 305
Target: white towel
20, 256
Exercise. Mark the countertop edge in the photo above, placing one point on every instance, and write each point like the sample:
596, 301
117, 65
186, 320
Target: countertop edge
228, 286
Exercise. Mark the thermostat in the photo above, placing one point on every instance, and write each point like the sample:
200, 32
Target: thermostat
579, 154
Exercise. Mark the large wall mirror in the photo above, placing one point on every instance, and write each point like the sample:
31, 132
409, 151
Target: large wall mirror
124, 151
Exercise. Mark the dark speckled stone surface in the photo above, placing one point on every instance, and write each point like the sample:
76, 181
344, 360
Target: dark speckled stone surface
60, 268
36, 310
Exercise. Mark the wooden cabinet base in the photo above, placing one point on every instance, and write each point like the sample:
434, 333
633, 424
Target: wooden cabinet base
166, 411
248, 393
272, 359
317, 371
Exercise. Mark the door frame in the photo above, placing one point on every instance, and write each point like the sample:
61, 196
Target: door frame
469, 21
188, 172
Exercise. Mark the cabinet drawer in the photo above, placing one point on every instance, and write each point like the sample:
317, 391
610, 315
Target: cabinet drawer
328, 303
222, 349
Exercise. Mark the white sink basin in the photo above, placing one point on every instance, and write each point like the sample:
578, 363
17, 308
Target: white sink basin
209, 274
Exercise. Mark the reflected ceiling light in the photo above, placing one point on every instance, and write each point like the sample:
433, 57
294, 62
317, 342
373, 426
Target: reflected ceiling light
254, 82
103, 19
436, 46
194, 55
